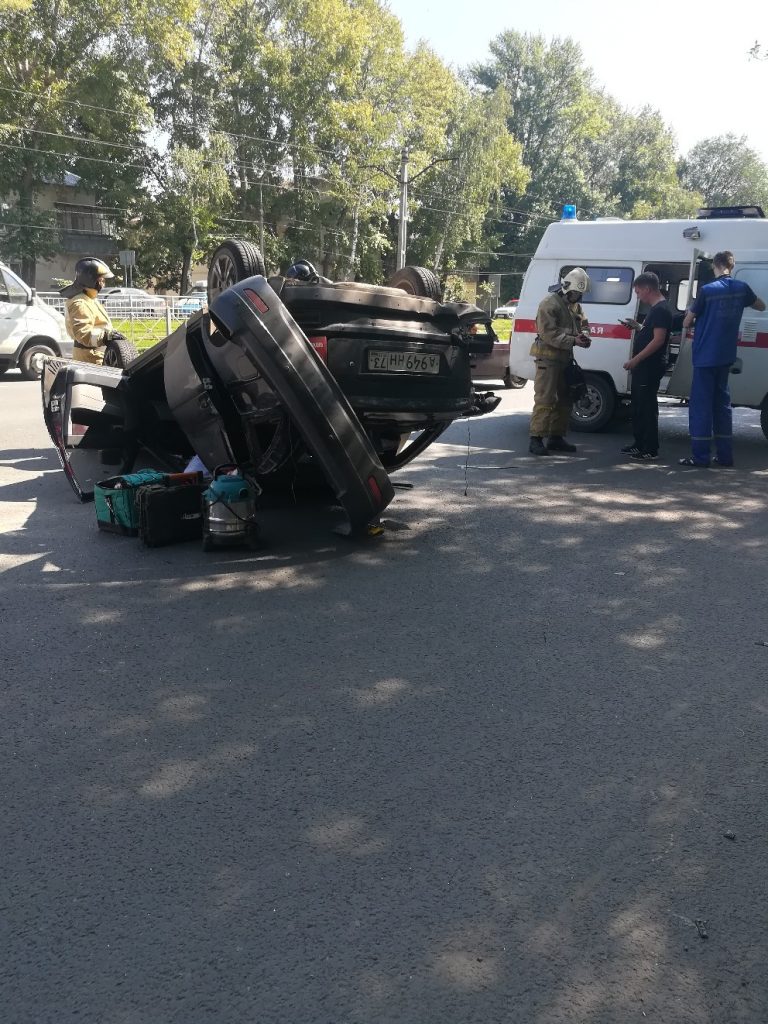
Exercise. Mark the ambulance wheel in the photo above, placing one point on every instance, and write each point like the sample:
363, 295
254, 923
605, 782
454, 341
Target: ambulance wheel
764, 418
119, 352
510, 381
596, 410
235, 260
417, 281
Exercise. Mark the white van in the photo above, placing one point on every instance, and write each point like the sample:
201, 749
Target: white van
614, 252
30, 331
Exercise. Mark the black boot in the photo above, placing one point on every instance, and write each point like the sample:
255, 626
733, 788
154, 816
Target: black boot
559, 444
536, 447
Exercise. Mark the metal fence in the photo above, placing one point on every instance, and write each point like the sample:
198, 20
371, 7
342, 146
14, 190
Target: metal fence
145, 320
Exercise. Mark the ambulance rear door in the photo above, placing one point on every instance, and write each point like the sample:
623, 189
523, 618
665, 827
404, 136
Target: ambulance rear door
749, 386
699, 274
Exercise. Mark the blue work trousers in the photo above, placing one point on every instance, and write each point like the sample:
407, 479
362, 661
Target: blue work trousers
710, 415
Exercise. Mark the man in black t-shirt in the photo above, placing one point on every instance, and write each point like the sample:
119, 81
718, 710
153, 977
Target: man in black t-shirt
648, 362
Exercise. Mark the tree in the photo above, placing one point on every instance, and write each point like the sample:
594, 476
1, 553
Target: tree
73, 84
726, 171
453, 201
631, 166
177, 219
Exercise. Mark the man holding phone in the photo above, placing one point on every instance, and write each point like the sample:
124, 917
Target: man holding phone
647, 365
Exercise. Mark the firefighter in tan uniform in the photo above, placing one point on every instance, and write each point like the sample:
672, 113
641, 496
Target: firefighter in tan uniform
560, 324
88, 324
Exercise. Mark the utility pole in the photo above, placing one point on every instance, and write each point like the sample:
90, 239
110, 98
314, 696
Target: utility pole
403, 180
402, 231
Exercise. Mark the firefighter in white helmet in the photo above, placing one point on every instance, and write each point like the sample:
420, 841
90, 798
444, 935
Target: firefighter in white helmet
560, 325
87, 321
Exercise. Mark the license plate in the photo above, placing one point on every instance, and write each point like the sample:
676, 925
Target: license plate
403, 362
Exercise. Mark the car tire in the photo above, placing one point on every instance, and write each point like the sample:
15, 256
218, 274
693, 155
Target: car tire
510, 381
119, 352
32, 359
234, 260
417, 281
595, 411
764, 418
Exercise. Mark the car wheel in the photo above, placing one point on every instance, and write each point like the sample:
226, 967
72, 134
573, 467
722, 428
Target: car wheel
511, 381
417, 281
33, 359
594, 411
119, 352
764, 418
233, 261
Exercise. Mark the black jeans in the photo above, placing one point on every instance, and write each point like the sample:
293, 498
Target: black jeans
645, 407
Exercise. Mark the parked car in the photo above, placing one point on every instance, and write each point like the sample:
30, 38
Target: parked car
196, 299
494, 365
30, 331
124, 303
506, 312
284, 377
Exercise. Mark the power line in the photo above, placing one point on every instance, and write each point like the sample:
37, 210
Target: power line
112, 110
300, 187
63, 135
57, 230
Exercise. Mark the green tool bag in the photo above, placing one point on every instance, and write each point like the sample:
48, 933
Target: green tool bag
115, 501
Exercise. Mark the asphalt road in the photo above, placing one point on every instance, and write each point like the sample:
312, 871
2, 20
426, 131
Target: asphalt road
483, 769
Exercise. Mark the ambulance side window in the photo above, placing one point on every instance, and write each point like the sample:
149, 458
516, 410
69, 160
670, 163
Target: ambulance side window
611, 286
756, 277
682, 293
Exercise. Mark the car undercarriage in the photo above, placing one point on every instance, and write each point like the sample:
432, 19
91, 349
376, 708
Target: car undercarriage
288, 378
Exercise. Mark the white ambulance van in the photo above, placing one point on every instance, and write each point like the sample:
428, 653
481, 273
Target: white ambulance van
614, 252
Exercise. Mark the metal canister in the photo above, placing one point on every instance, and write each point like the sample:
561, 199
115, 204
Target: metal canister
229, 511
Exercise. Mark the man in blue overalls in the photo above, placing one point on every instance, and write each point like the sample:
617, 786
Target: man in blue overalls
717, 311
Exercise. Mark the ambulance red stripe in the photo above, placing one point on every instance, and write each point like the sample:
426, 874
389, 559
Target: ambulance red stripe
622, 333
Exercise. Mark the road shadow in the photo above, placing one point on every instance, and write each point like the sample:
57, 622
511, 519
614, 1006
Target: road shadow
481, 770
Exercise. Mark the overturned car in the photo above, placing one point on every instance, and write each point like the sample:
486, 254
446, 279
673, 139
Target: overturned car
291, 378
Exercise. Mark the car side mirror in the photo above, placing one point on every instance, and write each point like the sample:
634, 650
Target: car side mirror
32, 296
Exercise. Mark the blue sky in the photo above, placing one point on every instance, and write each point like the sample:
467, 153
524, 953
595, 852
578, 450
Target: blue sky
668, 57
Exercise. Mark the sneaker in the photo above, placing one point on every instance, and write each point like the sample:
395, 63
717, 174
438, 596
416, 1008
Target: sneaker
536, 447
722, 462
644, 456
559, 444
693, 462
630, 449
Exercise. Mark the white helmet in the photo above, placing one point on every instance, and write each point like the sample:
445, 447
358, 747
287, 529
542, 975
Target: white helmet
576, 280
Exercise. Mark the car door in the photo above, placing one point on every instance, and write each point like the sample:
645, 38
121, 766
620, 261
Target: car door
85, 415
699, 273
14, 299
750, 385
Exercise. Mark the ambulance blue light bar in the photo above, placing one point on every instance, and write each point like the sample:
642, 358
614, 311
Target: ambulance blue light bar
569, 212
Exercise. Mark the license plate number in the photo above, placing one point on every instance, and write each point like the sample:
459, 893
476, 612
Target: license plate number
403, 362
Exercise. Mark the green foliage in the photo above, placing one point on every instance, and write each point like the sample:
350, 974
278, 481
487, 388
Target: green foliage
283, 122
63, 64
177, 224
578, 144
28, 234
726, 171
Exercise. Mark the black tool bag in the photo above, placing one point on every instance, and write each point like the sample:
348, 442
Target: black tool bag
576, 381
170, 515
